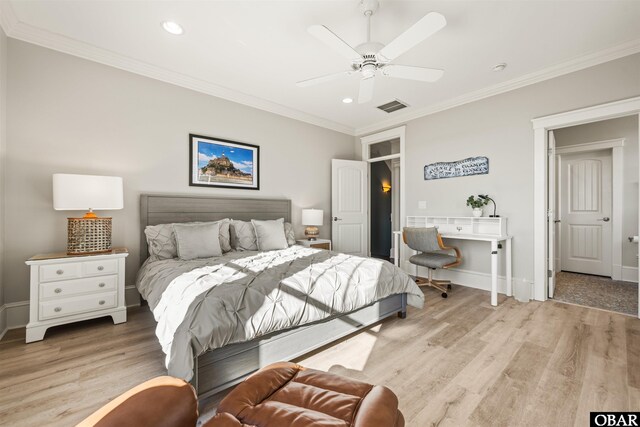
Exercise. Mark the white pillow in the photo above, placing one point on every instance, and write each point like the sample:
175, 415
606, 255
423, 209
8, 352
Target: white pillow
270, 234
197, 240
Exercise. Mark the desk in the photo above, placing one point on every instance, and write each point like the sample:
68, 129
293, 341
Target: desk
494, 240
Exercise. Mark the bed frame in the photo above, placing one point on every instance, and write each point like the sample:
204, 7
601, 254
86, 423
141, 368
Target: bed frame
224, 367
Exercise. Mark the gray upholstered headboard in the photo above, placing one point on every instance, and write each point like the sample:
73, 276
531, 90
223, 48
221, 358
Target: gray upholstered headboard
164, 209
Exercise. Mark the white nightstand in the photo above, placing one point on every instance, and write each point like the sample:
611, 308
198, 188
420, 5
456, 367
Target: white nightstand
69, 288
318, 243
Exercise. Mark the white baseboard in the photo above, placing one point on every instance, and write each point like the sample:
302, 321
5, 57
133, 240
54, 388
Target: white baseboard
3, 320
15, 315
471, 279
630, 274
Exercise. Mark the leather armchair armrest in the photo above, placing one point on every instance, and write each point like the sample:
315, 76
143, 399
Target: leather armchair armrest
160, 402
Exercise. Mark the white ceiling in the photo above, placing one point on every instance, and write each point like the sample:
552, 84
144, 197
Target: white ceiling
254, 51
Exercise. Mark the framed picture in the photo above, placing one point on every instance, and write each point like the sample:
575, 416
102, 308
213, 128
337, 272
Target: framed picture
215, 162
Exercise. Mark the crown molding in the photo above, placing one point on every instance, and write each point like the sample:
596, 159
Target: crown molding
575, 64
28, 33
8, 18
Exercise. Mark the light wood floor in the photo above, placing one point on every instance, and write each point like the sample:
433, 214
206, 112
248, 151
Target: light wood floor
457, 362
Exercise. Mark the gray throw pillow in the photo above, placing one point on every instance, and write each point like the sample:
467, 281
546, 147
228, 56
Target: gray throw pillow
270, 234
291, 235
161, 242
243, 236
225, 235
197, 240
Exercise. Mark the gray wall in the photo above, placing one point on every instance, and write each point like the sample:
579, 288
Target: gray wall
500, 128
3, 141
624, 127
71, 115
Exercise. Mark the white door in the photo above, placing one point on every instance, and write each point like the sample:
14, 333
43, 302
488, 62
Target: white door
585, 196
349, 206
551, 215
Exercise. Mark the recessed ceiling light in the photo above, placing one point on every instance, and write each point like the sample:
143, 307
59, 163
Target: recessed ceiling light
347, 100
172, 28
499, 67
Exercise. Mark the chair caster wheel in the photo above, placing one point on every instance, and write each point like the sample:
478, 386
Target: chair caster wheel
444, 295
449, 287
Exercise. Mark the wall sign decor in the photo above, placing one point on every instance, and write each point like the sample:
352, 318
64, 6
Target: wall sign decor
466, 167
216, 162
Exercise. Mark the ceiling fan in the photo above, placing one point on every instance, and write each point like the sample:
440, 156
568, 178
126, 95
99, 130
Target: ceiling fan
369, 58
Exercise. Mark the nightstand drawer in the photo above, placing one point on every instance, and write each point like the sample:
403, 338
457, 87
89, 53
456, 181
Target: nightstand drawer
67, 288
67, 270
326, 246
99, 268
76, 305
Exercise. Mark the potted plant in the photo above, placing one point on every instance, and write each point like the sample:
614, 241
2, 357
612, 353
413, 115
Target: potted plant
477, 203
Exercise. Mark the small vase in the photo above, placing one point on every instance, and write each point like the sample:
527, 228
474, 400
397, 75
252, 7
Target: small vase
477, 212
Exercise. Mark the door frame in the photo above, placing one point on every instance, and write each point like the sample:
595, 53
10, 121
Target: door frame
617, 168
366, 141
541, 126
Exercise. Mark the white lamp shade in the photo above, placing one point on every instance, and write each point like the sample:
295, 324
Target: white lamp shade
84, 192
312, 216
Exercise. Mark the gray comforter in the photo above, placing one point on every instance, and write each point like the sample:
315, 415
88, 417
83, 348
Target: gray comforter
208, 303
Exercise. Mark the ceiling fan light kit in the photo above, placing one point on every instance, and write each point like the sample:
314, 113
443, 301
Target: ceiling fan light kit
370, 57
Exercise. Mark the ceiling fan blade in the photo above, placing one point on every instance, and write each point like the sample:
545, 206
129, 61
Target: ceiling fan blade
327, 37
412, 73
366, 90
322, 79
430, 24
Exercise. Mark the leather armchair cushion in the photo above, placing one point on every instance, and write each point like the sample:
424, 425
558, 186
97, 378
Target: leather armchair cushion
286, 394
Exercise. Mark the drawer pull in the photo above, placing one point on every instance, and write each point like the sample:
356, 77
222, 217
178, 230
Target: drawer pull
59, 272
58, 290
101, 285
100, 268
101, 302
57, 309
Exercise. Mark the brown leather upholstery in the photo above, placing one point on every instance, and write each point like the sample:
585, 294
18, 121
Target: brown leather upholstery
286, 394
160, 402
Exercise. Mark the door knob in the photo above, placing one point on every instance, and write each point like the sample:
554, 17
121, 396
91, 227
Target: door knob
605, 219
335, 218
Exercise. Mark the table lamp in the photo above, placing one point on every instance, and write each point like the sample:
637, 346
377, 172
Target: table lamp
90, 234
312, 218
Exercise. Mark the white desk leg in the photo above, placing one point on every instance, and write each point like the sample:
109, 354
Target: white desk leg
509, 274
494, 273
396, 249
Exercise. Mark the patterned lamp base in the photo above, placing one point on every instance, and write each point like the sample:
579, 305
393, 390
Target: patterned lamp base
311, 232
88, 235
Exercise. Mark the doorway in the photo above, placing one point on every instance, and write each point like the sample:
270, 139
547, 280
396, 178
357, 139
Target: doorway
380, 198
544, 161
596, 210
384, 153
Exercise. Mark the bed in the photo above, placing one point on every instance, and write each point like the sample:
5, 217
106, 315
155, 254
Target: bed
214, 366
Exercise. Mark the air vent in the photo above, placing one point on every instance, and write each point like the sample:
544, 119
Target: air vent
392, 106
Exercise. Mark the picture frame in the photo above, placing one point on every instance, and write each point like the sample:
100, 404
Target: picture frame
222, 163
